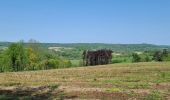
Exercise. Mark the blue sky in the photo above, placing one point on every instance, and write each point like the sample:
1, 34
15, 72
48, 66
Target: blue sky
86, 21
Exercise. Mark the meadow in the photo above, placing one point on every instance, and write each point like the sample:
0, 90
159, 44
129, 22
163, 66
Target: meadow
126, 81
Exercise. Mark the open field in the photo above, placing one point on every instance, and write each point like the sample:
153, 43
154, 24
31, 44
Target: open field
148, 81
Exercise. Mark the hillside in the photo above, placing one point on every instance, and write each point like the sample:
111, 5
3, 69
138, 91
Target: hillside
148, 81
91, 46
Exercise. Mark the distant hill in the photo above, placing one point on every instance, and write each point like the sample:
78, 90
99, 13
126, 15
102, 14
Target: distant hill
93, 46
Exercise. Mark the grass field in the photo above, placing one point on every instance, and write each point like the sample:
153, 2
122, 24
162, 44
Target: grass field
143, 81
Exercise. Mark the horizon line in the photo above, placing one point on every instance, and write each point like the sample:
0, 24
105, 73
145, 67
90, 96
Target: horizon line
88, 43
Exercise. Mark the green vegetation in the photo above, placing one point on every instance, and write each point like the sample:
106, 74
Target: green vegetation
74, 50
154, 95
135, 57
18, 57
41, 56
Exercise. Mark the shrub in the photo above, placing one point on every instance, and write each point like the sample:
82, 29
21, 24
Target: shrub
135, 57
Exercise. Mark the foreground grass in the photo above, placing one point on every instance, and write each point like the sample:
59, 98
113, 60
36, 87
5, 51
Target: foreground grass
148, 81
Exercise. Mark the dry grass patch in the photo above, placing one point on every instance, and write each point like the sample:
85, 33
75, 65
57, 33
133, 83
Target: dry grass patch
118, 79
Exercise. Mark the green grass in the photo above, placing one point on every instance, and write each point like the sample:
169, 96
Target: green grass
154, 95
76, 63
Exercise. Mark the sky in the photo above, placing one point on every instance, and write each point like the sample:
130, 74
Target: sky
86, 21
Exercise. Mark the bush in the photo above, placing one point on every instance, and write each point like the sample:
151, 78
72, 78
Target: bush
135, 57
52, 63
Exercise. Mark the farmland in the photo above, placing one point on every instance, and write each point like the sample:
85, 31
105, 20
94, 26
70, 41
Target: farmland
143, 81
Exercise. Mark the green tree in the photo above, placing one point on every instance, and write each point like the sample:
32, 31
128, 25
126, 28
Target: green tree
135, 57
157, 56
32, 59
165, 55
147, 59
1, 59
68, 63
15, 57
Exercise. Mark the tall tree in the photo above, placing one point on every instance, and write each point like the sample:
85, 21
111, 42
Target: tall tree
157, 56
32, 59
165, 53
16, 57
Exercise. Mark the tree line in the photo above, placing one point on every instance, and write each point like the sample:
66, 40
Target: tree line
159, 55
18, 57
